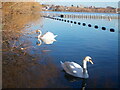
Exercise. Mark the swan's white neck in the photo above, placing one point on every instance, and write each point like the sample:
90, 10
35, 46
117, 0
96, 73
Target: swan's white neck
85, 73
84, 64
40, 33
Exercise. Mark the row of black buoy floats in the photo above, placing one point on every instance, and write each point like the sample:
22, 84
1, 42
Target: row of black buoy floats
83, 24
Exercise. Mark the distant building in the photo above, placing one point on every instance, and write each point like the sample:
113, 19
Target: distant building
92, 7
45, 8
81, 6
51, 8
109, 7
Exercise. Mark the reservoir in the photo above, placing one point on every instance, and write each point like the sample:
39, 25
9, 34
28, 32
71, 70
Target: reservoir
74, 42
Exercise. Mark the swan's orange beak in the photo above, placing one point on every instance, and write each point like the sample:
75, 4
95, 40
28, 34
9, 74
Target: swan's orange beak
91, 61
37, 31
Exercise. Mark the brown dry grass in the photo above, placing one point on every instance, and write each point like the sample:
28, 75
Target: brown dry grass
15, 16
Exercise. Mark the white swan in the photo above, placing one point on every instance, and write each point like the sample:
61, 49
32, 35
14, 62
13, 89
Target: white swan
75, 69
47, 38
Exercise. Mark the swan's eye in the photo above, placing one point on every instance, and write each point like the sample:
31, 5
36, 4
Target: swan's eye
90, 59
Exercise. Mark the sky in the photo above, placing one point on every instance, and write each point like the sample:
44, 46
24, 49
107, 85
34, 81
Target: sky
97, 3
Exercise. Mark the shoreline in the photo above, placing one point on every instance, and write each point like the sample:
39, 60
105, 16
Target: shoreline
81, 12
80, 9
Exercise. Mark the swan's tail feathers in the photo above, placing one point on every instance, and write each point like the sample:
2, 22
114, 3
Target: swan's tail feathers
53, 39
56, 35
61, 62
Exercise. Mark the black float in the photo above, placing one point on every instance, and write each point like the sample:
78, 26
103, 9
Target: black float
84, 24
67, 20
112, 30
96, 26
79, 23
74, 22
61, 16
103, 28
71, 21
89, 25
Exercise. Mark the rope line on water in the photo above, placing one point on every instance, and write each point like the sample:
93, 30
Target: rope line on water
79, 23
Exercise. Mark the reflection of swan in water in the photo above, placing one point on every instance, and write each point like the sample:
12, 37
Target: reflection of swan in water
39, 42
47, 38
73, 79
75, 69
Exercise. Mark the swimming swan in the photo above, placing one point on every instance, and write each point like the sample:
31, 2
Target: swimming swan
75, 69
47, 38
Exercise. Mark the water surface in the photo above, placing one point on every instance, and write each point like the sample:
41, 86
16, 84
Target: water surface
74, 42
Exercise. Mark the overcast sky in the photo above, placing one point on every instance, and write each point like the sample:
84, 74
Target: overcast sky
97, 3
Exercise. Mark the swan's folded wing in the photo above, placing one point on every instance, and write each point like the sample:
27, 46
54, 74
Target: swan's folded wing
76, 65
49, 35
67, 67
71, 69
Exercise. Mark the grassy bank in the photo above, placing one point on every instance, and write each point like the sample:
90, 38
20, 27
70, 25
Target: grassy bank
16, 62
15, 16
